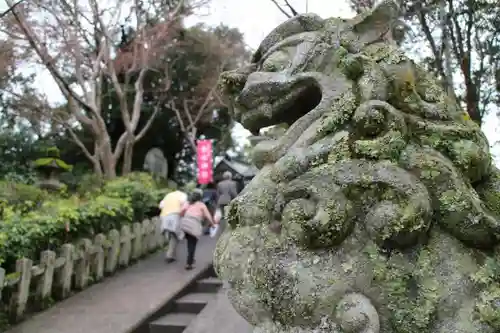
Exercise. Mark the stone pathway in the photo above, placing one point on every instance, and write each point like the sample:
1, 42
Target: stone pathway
120, 302
219, 316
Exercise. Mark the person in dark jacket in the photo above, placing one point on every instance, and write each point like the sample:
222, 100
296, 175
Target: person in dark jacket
210, 197
227, 190
210, 200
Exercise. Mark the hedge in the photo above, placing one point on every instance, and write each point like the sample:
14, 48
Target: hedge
138, 188
20, 197
51, 223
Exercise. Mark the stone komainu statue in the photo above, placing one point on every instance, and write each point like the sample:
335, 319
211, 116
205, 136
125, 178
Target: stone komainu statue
379, 209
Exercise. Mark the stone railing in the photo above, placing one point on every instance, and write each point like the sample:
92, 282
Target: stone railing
75, 266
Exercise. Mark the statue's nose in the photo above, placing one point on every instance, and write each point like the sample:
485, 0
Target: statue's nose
233, 81
263, 85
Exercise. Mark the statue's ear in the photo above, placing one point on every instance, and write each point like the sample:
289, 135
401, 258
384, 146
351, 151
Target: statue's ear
375, 24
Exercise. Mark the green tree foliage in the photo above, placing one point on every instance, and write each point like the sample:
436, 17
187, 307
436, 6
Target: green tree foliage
17, 152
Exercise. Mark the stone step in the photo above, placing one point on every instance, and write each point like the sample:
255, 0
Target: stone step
171, 323
208, 285
193, 303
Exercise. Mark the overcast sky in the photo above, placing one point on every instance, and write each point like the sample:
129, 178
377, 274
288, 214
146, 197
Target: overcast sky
256, 19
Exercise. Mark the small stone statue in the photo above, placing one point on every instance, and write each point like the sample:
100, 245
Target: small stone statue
156, 163
378, 211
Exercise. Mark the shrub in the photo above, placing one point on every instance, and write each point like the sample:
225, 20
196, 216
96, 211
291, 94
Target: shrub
80, 181
139, 189
31, 225
104, 213
58, 222
141, 177
21, 197
89, 184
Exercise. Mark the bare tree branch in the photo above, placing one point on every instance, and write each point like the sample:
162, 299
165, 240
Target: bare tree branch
10, 9
282, 10
294, 12
148, 124
183, 127
43, 53
204, 106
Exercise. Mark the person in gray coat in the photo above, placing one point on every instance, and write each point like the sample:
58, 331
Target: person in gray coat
227, 190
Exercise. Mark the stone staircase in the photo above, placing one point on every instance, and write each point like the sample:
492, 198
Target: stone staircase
188, 305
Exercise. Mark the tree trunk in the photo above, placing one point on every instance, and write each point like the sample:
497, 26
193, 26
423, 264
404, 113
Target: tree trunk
448, 79
97, 167
108, 160
191, 137
109, 168
127, 157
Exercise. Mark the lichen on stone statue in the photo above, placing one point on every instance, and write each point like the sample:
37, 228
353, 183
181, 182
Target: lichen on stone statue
378, 211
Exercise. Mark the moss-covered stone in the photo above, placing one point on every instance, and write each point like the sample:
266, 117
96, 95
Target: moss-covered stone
49, 167
378, 211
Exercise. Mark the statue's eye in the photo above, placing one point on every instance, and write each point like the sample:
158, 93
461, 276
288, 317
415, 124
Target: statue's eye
276, 62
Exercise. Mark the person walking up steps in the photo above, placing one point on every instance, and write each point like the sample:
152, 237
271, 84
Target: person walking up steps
171, 207
210, 200
191, 223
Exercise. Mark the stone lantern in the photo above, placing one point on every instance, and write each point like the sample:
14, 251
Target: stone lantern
49, 169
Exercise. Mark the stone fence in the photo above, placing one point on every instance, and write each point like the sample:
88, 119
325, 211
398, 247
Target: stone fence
75, 266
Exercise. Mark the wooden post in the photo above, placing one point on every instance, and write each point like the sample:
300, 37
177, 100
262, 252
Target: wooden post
157, 235
98, 262
66, 272
19, 302
2, 282
126, 245
44, 288
113, 251
152, 235
145, 236
137, 244
82, 269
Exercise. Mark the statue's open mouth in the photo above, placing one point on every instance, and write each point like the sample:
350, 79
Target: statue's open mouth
272, 108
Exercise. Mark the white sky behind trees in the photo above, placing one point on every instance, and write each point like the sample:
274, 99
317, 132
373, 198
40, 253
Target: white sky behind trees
255, 19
